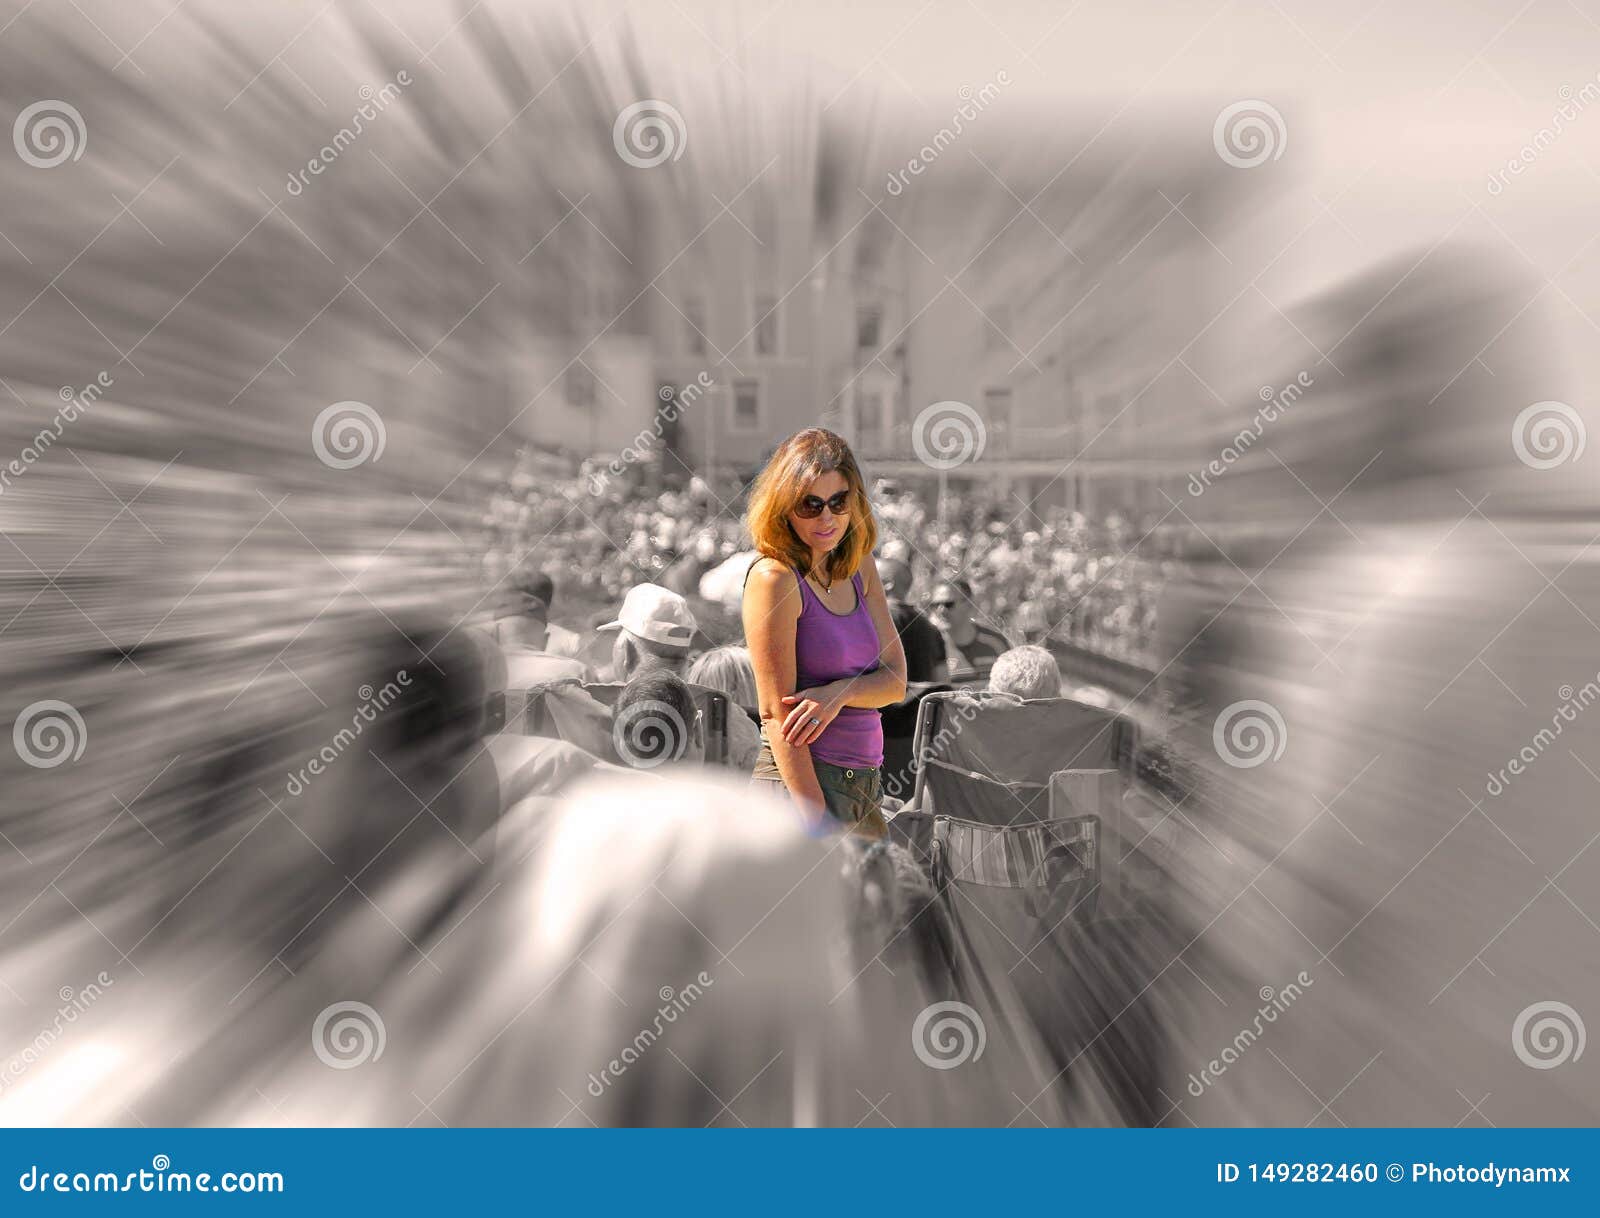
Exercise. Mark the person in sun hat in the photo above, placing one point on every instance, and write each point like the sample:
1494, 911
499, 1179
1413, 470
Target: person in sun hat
655, 628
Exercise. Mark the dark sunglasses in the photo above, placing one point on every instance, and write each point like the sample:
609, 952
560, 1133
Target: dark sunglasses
942, 605
811, 506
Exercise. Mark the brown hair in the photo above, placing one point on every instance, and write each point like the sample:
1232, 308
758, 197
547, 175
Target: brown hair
799, 460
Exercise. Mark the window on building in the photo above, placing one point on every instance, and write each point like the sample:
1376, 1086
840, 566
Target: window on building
997, 409
746, 405
869, 324
766, 324
870, 421
580, 386
694, 325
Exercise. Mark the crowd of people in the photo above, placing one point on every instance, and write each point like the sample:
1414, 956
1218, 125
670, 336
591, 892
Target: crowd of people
1040, 575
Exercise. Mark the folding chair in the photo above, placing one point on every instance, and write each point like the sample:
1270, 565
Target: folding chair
711, 703
989, 757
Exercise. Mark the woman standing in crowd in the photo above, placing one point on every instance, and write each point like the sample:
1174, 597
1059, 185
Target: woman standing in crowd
822, 642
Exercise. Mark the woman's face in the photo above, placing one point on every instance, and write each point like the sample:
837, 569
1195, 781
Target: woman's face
822, 532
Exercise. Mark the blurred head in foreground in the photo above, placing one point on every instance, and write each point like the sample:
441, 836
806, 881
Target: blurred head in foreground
680, 953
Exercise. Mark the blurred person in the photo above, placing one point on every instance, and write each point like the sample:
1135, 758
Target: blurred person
336, 881
924, 648
729, 669
536, 765
529, 625
655, 629
658, 1027
823, 645
1028, 672
971, 647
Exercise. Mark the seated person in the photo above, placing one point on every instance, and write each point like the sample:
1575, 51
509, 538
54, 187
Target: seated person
1028, 672
527, 625
537, 765
655, 722
971, 647
655, 629
728, 669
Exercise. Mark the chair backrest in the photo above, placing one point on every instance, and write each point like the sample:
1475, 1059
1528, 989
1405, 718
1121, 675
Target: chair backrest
569, 710
989, 757
494, 677
712, 704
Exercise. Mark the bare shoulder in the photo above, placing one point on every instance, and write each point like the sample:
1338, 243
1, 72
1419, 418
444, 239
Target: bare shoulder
770, 581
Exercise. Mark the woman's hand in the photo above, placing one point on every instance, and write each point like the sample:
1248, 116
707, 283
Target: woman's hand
820, 705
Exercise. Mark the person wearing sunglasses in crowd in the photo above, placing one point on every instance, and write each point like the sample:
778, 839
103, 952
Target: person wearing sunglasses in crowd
822, 642
971, 647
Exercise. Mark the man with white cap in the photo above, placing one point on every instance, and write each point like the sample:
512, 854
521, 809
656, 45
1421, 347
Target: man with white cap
654, 630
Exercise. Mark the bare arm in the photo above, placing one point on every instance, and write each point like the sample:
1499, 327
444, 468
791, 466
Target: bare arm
885, 685
771, 609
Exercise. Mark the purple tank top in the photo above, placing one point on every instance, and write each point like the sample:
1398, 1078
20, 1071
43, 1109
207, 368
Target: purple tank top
828, 647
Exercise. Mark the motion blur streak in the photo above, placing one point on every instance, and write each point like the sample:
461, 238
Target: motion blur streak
309, 313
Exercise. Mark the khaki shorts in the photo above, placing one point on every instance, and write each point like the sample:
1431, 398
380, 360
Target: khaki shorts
853, 794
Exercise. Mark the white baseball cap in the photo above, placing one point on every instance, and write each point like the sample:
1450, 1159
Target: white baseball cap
656, 614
